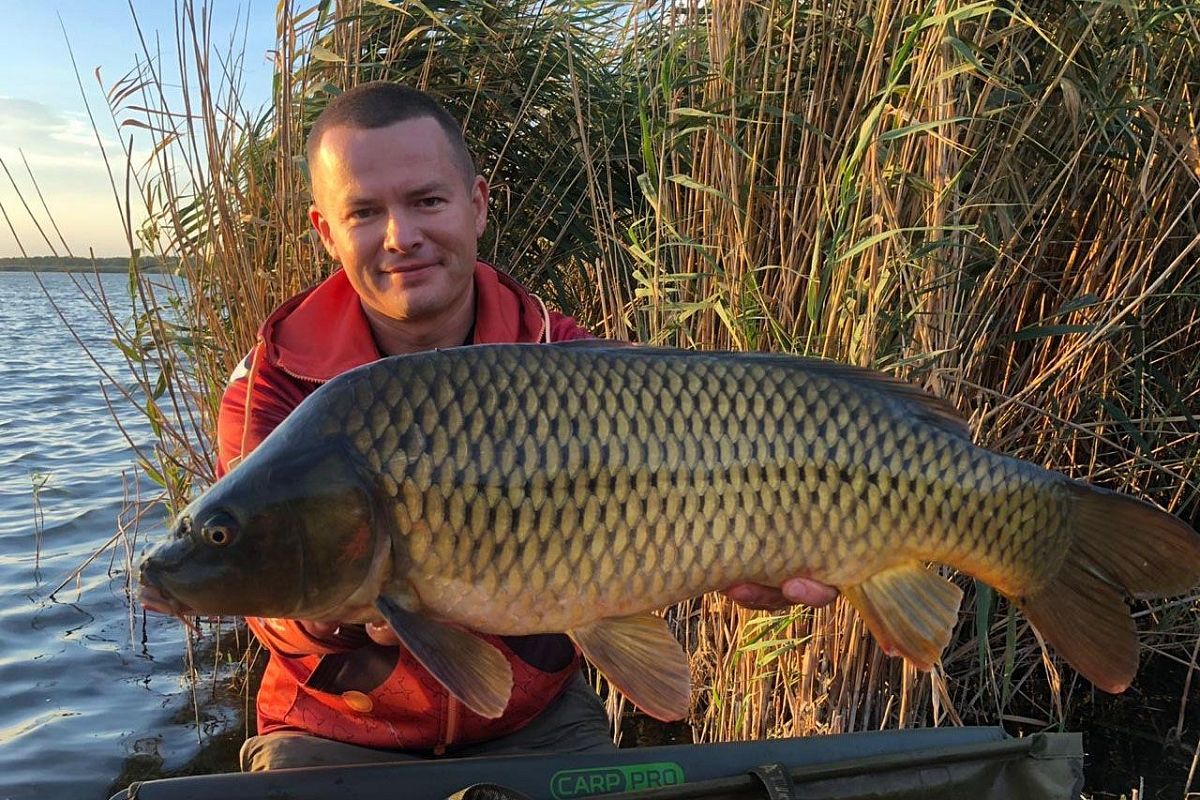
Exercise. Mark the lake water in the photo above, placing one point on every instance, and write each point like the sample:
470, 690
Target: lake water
89, 685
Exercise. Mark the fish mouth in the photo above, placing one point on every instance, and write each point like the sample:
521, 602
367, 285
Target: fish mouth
154, 599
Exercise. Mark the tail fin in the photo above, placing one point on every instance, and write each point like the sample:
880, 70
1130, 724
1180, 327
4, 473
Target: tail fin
1120, 546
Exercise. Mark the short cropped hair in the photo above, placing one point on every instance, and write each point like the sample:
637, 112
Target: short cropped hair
379, 104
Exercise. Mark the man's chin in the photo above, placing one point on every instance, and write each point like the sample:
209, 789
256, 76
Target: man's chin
424, 296
404, 302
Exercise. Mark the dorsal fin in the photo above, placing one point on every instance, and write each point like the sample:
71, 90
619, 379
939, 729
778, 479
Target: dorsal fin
930, 408
600, 344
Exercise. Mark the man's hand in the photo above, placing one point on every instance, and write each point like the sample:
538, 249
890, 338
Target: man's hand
794, 590
350, 634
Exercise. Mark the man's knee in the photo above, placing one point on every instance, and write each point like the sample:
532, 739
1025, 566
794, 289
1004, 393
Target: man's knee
589, 726
285, 750
257, 752
574, 723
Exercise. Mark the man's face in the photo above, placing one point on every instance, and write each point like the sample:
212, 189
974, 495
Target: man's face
394, 207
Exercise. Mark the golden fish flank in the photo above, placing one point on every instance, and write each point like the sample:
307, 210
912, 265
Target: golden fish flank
524, 489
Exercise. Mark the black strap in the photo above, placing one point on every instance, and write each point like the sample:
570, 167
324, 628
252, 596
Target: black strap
775, 779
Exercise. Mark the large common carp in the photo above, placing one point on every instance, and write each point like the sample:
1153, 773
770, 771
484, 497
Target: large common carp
518, 489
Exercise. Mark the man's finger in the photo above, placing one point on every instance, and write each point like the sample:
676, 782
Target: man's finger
809, 592
382, 633
756, 595
794, 590
321, 630
335, 634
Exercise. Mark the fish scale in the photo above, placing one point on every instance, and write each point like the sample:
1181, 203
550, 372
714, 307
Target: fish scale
518, 489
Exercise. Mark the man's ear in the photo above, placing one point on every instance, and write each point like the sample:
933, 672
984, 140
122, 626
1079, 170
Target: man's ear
322, 227
479, 203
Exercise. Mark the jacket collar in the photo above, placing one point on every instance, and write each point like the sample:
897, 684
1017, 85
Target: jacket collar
323, 332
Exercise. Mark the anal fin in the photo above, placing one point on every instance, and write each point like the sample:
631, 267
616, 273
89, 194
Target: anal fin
640, 657
909, 610
1088, 623
470, 668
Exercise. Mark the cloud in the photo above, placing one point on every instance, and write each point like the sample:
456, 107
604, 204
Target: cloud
23, 115
48, 138
64, 158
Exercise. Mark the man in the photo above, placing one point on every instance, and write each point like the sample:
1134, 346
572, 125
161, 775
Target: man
397, 202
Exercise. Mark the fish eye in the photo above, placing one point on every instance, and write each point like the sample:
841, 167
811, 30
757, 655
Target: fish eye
219, 531
217, 535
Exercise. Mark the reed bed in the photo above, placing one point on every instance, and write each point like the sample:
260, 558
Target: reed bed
996, 200
1000, 207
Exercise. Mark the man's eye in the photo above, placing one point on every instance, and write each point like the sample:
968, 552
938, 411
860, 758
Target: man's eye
431, 202
361, 213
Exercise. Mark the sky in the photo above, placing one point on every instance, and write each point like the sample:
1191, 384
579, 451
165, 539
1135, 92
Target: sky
43, 117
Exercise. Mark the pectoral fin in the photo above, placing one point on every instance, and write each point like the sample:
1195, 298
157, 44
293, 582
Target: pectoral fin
469, 667
640, 657
910, 611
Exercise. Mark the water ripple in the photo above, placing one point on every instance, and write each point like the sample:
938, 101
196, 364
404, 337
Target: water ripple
86, 681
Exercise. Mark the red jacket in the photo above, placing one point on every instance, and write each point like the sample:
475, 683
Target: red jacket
349, 688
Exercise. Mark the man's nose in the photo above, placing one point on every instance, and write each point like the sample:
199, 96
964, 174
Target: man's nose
402, 235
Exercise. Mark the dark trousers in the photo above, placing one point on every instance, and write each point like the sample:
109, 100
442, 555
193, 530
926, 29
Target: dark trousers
574, 723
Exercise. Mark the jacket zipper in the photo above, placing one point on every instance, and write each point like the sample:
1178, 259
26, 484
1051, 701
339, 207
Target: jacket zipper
262, 342
260, 345
304, 378
451, 730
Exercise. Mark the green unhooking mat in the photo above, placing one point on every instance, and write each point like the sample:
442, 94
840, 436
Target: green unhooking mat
932, 764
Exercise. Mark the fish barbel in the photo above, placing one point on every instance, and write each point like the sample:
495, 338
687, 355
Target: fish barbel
520, 489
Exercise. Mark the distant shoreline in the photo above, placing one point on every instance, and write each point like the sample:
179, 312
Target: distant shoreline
102, 269
105, 265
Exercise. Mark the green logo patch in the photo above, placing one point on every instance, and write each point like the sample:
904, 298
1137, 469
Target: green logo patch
604, 780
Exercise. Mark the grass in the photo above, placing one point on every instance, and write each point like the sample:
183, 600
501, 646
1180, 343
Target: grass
38, 482
997, 201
